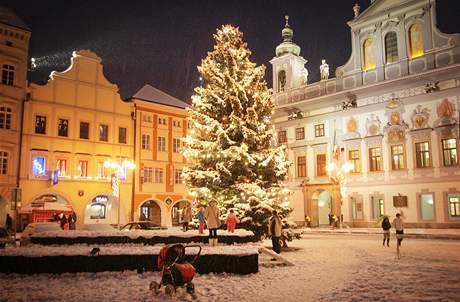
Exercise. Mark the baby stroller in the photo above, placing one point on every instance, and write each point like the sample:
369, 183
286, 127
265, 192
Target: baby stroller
175, 271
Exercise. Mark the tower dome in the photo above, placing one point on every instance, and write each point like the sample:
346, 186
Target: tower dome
287, 46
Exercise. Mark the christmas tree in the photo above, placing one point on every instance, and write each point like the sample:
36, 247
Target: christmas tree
231, 146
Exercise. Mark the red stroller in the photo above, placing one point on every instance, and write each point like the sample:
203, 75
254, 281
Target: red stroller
175, 271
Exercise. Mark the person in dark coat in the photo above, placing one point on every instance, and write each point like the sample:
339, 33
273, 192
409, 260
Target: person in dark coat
63, 221
386, 226
9, 223
274, 230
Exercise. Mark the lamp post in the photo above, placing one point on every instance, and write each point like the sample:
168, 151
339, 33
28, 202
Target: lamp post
337, 173
121, 169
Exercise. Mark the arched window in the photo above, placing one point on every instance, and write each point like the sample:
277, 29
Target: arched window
369, 55
416, 40
281, 80
391, 47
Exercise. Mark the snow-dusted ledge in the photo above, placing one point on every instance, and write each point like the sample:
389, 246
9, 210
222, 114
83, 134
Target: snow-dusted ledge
35, 250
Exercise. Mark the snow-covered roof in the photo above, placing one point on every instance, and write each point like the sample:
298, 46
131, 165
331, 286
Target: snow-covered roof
151, 94
8, 16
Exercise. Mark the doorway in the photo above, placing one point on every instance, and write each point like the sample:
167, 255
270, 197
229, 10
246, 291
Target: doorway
150, 211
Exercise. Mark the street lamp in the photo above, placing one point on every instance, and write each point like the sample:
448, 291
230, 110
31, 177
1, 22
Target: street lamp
337, 172
121, 169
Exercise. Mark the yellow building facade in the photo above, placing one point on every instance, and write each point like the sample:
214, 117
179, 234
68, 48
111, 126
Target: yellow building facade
161, 123
14, 46
77, 137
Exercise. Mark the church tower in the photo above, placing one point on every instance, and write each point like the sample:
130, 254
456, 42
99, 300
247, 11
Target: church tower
288, 66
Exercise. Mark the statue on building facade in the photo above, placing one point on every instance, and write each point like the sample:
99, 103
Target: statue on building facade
324, 70
356, 9
304, 76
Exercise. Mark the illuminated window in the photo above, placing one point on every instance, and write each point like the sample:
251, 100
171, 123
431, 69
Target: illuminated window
40, 124
176, 123
369, 55
158, 175
146, 117
5, 118
122, 135
3, 163
301, 166
449, 152
176, 145
397, 157
63, 127
391, 47
281, 80
375, 159
321, 165
103, 133
377, 207
416, 40
300, 133
427, 206
84, 130
282, 137
454, 204
161, 121
422, 153
319, 130
102, 171
97, 211
61, 166
145, 141
39, 166
82, 168
354, 159
7, 74
162, 144
178, 176
148, 175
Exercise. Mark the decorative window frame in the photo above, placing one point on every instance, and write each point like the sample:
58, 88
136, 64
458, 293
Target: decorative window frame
419, 206
447, 217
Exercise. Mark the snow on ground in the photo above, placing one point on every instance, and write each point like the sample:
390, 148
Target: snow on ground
327, 268
133, 234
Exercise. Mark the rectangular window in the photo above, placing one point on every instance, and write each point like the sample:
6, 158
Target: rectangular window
177, 176
282, 137
176, 145
161, 121
61, 166
8, 75
357, 207
158, 175
146, 117
39, 166
162, 144
397, 157
321, 165
427, 206
375, 159
102, 170
3, 163
145, 141
148, 175
122, 135
40, 124
354, 159
454, 205
176, 123
5, 118
377, 207
82, 168
301, 166
84, 130
103, 133
422, 153
300, 133
449, 152
63, 127
319, 130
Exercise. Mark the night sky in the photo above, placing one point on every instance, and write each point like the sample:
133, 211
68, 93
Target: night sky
162, 42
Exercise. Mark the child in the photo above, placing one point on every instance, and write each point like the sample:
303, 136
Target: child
231, 221
201, 220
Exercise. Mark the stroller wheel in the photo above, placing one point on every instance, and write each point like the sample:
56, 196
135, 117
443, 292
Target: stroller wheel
190, 288
170, 290
155, 287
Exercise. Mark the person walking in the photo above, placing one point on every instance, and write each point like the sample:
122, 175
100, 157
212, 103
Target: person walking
399, 227
201, 220
231, 221
186, 216
9, 223
274, 230
212, 220
386, 226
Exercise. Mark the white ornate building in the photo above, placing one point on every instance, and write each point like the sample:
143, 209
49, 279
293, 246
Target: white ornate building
382, 136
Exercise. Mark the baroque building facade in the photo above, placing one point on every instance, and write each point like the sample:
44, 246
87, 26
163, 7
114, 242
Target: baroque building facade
382, 137
14, 46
